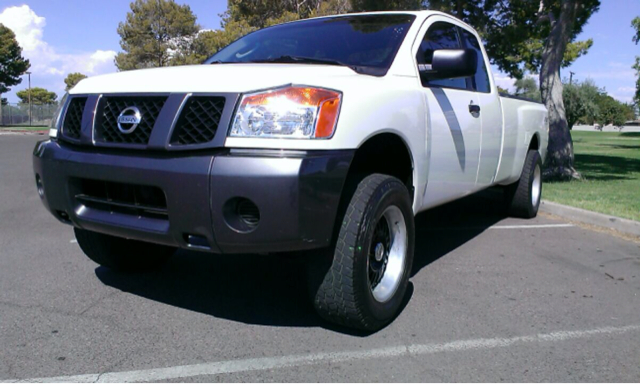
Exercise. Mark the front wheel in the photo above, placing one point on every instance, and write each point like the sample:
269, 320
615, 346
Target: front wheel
365, 284
122, 254
523, 196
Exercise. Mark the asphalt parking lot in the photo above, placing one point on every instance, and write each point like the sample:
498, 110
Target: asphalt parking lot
491, 299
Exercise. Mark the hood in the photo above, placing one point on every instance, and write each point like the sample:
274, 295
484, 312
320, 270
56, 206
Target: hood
235, 78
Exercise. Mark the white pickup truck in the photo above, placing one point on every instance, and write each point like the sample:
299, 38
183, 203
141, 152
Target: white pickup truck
327, 134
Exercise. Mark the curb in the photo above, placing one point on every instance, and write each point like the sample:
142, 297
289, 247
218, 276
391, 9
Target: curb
619, 224
5, 131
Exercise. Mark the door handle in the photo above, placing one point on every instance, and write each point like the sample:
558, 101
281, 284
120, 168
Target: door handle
474, 110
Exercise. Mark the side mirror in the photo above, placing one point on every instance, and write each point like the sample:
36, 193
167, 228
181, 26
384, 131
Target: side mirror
450, 64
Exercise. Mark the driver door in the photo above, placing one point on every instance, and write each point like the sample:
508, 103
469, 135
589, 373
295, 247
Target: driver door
455, 128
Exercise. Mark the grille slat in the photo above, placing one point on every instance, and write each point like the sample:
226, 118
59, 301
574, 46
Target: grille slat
72, 125
198, 121
106, 128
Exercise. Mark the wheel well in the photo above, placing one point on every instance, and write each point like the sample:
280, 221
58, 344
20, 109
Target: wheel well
385, 153
535, 143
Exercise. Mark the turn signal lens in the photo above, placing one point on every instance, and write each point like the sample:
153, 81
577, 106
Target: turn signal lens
291, 112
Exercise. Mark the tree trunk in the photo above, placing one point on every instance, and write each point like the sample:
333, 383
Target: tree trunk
559, 163
460, 9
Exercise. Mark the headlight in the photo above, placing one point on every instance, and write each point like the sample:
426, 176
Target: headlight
56, 118
291, 112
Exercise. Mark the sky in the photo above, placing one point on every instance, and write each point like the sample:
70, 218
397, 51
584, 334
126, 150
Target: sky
64, 36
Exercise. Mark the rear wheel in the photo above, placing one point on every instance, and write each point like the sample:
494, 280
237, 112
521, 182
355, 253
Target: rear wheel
365, 282
523, 196
122, 254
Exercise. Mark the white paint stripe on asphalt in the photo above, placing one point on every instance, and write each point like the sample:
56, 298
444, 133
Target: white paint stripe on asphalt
73, 241
266, 363
532, 226
525, 226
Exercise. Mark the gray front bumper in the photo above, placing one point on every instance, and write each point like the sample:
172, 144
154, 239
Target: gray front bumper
297, 193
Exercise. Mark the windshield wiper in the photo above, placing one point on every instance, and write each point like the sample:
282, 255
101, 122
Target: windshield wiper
288, 59
300, 59
311, 60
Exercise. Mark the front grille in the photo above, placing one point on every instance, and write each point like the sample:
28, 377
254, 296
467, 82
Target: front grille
138, 200
198, 121
73, 118
106, 126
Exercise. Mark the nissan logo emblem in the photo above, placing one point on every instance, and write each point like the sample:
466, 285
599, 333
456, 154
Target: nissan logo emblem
129, 119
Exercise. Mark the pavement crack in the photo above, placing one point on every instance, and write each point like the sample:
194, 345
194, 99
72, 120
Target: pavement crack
97, 302
99, 376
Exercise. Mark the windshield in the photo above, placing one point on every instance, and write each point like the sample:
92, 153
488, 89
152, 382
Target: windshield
366, 43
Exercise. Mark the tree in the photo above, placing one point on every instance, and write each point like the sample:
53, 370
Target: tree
385, 5
154, 32
636, 39
243, 17
206, 43
581, 102
262, 13
629, 112
613, 112
503, 90
564, 21
12, 64
332, 7
527, 88
38, 96
586, 103
476, 12
72, 79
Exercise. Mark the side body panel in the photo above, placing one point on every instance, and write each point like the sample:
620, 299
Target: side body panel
455, 145
491, 142
522, 120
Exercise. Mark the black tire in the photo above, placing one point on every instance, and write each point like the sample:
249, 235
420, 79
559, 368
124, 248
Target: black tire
122, 254
342, 291
523, 197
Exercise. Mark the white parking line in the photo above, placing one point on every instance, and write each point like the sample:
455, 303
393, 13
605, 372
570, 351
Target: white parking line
267, 363
73, 241
532, 226
524, 226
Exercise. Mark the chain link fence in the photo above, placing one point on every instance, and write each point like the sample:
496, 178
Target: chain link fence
17, 114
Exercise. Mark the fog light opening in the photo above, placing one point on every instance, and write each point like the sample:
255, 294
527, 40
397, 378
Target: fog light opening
241, 214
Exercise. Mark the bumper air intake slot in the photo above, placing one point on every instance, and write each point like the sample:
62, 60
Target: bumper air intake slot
138, 200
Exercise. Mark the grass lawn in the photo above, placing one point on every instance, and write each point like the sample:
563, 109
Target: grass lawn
23, 128
610, 165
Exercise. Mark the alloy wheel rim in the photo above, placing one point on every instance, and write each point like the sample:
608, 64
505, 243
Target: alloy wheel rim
387, 254
536, 187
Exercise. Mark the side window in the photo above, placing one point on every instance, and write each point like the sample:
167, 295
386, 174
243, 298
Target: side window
440, 35
480, 82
